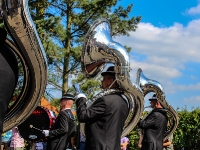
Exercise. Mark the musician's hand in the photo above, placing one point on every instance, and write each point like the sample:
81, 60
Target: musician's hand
45, 132
141, 117
80, 95
140, 146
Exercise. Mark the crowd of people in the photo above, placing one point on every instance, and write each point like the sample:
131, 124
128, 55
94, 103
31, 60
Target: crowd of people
104, 121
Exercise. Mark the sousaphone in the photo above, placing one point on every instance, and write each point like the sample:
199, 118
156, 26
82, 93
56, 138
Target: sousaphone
149, 85
25, 43
98, 49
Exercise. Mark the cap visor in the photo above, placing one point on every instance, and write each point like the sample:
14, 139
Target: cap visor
151, 99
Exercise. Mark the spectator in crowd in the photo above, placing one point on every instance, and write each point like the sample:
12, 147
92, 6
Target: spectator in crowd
40, 146
124, 143
17, 142
140, 139
6, 138
80, 139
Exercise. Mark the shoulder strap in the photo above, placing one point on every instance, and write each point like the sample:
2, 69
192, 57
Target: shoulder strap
71, 116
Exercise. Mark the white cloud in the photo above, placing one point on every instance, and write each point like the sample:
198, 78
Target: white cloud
176, 44
165, 50
194, 77
154, 70
162, 53
172, 88
192, 100
191, 87
194, 10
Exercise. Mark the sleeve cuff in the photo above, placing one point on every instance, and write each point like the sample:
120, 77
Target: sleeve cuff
80, 96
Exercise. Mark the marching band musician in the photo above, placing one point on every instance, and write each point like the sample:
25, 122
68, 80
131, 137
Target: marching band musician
104, 119
154, 126
8, 76
64, 127
167, 143
17, 142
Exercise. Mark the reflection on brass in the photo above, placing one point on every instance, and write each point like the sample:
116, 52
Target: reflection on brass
149, 85
24, 41
99, 49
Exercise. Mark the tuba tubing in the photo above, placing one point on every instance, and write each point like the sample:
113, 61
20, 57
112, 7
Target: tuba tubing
98, 49
24, 41
149, 85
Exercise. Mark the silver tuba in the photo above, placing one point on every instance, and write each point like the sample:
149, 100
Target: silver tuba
149, 85
99, 49
25, 43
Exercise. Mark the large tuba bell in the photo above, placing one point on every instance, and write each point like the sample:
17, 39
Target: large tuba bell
25, 43
147, 86
99, 49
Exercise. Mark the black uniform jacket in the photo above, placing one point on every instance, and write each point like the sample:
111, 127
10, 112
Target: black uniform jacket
62, 130
154, 126
8, 79
104, 121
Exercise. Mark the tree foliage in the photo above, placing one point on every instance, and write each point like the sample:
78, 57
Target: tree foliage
62, 25
133, 139
187, 134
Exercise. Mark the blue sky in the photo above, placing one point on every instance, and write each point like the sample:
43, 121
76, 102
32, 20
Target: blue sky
166, 46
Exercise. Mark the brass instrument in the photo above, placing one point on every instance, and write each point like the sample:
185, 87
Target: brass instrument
149, 85
26, 45
99, 49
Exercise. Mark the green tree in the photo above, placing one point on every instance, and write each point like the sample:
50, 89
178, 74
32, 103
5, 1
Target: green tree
133, 139
187, 134
51, 32
77, 16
